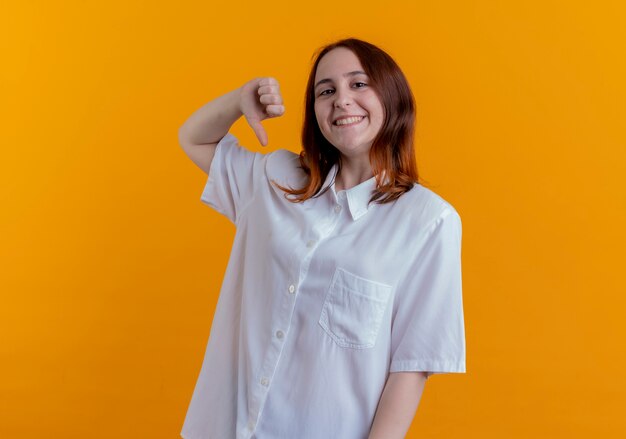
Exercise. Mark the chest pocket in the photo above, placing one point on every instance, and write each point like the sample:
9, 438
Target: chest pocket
353, 309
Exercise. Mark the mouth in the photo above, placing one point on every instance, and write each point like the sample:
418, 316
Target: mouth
348, 121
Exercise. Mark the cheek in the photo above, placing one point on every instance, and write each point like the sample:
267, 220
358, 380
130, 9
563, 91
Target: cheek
320, 116
381, 114
376, 104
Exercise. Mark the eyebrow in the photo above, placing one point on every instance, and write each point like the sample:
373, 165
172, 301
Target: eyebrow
353, 73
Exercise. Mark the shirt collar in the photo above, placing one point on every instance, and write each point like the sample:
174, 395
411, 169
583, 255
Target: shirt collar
358, 196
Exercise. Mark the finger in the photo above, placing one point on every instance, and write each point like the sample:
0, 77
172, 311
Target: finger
268, 89
260, 132
275, 110
271, 99
269, 80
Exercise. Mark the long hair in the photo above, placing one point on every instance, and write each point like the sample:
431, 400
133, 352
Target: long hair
392, 150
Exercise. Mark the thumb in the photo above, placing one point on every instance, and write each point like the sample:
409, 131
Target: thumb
259, 131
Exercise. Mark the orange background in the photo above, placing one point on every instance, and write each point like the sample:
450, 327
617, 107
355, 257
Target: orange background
111, 265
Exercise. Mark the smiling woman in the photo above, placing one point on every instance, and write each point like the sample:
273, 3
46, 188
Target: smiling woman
337, 304
348, 112
353, 78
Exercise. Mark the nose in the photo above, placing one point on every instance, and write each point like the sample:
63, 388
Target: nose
343, 97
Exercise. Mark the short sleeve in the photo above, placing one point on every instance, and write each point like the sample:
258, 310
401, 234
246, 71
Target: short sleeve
234, 176
428, 333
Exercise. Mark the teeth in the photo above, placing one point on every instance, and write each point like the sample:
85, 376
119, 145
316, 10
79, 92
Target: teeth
348, 120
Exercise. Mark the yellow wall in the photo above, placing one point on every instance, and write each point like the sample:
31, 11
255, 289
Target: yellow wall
111, 265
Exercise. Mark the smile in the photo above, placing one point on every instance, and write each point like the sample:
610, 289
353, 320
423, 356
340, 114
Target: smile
349, 121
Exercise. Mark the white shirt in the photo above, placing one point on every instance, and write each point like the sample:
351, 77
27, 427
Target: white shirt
320, 301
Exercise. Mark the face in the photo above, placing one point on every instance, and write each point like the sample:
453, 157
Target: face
343, 96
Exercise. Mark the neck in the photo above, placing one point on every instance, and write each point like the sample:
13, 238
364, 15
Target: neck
352, 175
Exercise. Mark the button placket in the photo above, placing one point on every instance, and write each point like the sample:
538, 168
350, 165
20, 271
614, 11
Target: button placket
293, 277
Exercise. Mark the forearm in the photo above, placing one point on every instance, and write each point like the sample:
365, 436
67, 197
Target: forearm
212, 121
397, 405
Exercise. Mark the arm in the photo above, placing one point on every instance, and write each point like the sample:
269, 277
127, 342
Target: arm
200, 134
257, 100
398, 405
212, 121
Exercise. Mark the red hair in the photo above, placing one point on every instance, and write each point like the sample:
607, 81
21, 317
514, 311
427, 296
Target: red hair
392, 150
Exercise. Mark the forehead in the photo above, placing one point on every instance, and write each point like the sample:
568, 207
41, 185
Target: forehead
337, 62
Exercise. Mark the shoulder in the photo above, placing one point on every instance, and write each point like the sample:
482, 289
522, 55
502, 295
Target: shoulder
427, 208
283, 166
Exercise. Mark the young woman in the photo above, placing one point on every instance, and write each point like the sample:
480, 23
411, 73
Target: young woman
343, 289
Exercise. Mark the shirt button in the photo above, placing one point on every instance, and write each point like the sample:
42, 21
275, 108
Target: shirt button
265, 381
251, 424
310, 244
337, 208
280, 334
292, 288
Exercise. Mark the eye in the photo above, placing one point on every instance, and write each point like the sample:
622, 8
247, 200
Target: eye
357, 84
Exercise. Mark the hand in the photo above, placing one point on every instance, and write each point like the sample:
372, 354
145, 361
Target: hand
260, 99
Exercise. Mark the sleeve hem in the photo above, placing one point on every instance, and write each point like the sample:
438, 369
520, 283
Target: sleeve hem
210, 193
214, 169
431, 367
